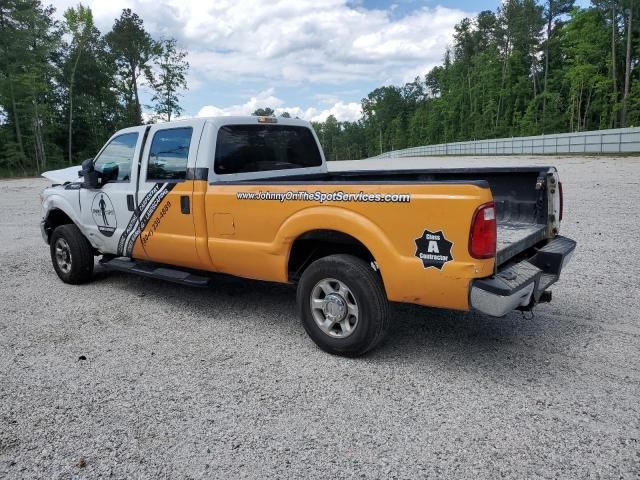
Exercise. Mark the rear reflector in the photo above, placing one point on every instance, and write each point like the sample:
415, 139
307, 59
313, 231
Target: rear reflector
483, 236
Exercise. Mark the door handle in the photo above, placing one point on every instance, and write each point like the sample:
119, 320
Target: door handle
130, 205
184, 204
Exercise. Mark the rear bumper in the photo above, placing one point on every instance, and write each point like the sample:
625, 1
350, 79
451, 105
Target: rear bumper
521, 285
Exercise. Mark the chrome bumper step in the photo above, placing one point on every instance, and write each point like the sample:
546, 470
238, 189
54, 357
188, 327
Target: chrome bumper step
520, 286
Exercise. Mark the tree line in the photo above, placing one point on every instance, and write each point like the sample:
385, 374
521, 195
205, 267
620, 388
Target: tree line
528, 68
65, 87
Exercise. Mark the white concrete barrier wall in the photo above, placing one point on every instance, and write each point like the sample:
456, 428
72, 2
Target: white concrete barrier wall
619, 140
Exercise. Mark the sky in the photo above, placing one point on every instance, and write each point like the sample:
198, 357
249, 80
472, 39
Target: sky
311, 58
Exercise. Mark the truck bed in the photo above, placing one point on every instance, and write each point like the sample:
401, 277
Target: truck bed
520, 203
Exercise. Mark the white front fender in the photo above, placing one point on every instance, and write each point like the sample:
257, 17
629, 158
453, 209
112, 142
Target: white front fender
55, 201
67, 201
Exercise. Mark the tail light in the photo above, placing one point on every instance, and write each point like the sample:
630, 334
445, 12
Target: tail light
483, 236
561, 199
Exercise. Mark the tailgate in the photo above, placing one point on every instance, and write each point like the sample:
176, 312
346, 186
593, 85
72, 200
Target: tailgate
514, 238
527, 208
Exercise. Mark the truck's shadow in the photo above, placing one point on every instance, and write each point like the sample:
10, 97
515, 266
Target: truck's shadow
417, 333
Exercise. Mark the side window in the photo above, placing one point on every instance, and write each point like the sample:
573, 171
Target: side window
118, 157
259, 148
169, 153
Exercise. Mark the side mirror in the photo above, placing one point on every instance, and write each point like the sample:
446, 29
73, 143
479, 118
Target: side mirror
110, 173
91, 177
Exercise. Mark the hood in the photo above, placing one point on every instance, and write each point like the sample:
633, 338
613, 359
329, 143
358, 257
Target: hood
69, 174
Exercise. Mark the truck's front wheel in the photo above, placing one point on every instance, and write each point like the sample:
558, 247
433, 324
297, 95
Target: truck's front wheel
71, 254
343, 305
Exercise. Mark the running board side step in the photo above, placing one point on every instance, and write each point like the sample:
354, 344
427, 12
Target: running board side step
151, 270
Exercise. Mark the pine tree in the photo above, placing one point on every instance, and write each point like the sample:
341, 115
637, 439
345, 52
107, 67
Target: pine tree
168, 80
133, 50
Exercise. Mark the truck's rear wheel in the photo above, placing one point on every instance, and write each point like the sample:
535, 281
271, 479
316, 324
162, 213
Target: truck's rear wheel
71, 254
343, 305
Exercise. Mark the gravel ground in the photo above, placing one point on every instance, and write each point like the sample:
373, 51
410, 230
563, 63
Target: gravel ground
127, 377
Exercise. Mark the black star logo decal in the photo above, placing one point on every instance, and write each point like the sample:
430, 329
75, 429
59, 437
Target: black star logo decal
433, 249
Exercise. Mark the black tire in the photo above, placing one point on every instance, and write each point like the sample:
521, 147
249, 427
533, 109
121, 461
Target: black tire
366, 291
77, 267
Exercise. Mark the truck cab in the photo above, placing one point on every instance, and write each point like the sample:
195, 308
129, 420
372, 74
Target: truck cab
140, 167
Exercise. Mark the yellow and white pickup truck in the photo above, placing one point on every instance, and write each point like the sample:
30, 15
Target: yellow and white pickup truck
252, 197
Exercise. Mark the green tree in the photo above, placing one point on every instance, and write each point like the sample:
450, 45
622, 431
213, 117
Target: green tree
628, 20
264, 112
61, 88
586, 44
553, 11
29, 39
97, 111
169, 79
133, 50
79, 24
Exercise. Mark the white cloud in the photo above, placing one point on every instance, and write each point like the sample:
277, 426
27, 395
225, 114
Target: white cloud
288, 44
342, 111
261, 100
294, 41
326, 99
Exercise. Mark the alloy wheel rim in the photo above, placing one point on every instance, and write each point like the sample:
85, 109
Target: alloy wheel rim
63, 255
334, 308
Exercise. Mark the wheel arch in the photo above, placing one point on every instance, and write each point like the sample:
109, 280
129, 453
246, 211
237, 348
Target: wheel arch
55, 218
57, 212
315, 244
333, 230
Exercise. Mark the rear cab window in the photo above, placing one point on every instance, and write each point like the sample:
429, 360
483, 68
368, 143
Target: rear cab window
260, 148
168, 154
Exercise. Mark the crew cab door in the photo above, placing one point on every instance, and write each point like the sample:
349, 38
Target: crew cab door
106, 212
165, 195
